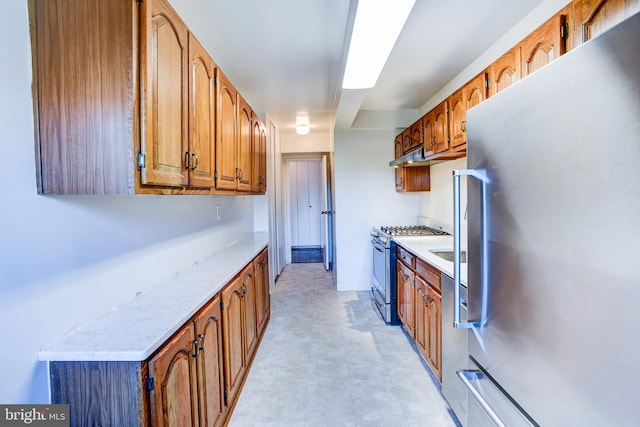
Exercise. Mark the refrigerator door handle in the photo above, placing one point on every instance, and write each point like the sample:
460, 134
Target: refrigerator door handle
481, 176
468, 375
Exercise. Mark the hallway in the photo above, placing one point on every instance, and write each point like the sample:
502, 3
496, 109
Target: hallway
326, 359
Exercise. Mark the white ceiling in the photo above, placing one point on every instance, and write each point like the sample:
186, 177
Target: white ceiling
287, 56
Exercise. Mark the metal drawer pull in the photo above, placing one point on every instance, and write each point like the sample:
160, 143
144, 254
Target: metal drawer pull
465, 376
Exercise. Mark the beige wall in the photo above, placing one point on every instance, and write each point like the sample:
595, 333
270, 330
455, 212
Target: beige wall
312, 143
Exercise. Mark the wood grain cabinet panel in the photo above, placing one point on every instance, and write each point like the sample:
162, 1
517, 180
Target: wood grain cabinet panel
405, 283
210, 364
200, 156
85, 103
243, 155
593, 17
263, 296
227, 135
258, 157
441, 127
543, 45
504, 71
164, 80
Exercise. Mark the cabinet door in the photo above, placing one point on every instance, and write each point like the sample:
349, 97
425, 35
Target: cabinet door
428, 134
208, 325
457, 118
422, 316
441, 128
233, 336
261, 267
416, 134
258, 157
174, 399
433, 314
249, 307
593, 17
243, 159
226, 133
199, 159
406, 140
405, 297
504, 71
164, 78
543, 45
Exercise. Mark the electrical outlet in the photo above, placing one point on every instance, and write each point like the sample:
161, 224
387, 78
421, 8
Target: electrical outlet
218, 212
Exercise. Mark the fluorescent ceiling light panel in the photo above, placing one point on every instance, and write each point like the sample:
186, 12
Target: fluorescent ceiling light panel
375, 31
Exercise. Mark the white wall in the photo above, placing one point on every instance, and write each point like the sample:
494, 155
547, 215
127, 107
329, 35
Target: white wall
65, 260
365, 196
311, 143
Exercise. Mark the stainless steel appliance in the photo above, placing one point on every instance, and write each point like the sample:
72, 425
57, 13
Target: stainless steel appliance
383, 289
554, 223
454, 349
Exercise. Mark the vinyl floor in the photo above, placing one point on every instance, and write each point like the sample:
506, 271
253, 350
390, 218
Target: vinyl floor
326, 359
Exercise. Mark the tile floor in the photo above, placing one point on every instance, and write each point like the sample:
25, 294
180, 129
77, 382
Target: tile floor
326, 359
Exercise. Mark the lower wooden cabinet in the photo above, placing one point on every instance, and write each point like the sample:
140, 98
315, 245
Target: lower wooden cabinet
193, 379
420, 308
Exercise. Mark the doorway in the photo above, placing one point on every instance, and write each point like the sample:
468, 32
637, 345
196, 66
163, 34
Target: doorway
308, 210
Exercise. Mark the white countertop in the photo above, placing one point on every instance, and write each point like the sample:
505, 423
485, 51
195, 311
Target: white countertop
133, 331
422, 246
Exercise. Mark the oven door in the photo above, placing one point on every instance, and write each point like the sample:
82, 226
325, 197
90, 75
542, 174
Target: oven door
380, 269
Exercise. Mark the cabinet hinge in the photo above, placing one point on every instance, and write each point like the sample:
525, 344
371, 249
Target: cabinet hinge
148, 383
142, 160
564, 31
139, 1
221, 305
225, 397
215, 174
215, 80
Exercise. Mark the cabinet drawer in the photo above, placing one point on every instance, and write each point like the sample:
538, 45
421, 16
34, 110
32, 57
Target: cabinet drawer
406, 257
430, 274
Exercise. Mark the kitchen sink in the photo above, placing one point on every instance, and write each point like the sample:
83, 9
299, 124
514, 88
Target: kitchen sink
448, 255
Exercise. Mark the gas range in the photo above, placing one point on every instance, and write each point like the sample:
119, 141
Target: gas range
384, 234
383, 289
412, 230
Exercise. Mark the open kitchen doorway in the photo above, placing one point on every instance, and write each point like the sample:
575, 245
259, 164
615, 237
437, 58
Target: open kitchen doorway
308, 207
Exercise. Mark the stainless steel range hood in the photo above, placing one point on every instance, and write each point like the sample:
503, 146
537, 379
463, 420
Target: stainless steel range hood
412, 157
416, 157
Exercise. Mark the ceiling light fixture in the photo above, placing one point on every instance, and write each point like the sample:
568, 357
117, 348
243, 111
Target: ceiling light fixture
302, 129
375, 31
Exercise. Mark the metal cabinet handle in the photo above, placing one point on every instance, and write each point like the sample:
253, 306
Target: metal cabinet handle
201, 337
481, 176
463, 125
194, 166
195, 348
187, 160
465, 376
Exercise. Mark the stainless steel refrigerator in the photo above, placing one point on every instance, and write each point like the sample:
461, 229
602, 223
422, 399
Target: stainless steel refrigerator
554, 242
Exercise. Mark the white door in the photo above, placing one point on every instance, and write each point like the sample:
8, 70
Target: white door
306, 206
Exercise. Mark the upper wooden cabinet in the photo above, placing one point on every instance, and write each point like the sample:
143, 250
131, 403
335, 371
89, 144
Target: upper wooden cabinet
592, 17
414, 137
140, 112
470, 95
243, 155
441, 127
543, 45
200, 157
258, 157
407, 141
227, 135
504, 71
85, 102
164, 68
397, 146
